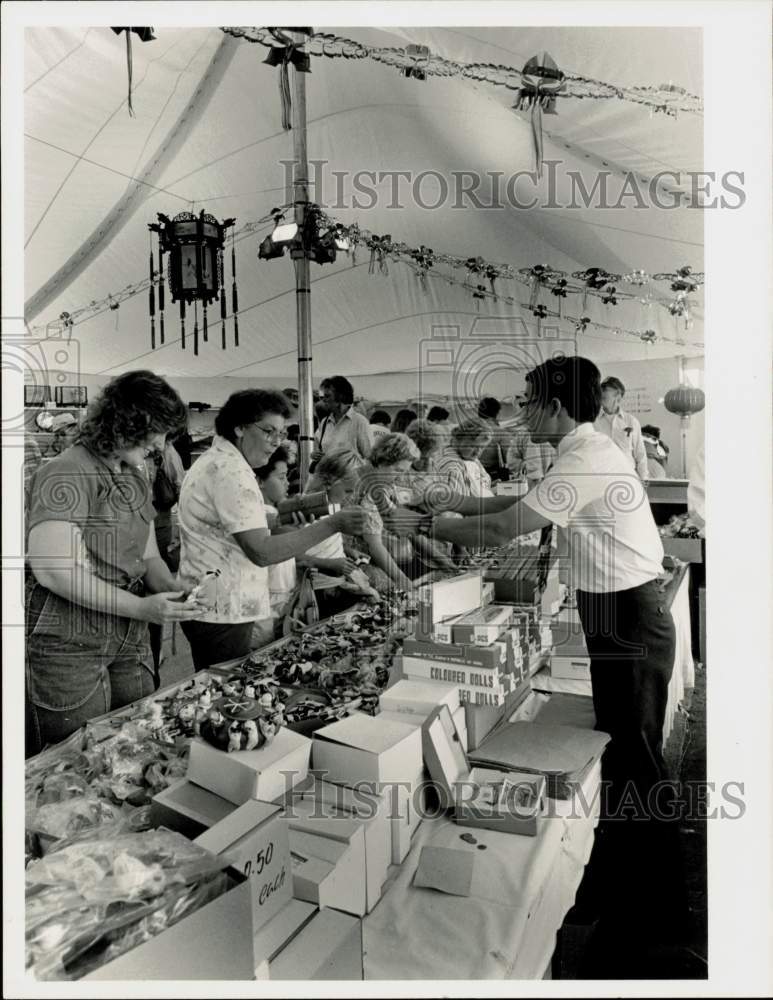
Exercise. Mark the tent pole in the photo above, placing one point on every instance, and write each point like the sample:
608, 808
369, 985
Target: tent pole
302, 283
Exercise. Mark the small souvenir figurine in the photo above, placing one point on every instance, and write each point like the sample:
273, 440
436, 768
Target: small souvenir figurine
186, 715
156, 717
234, 737
201, 714
249, 691
205, 701
266, 701
252, 734
216, 718
267, 729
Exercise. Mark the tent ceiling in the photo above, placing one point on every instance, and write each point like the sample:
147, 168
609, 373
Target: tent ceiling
207, 131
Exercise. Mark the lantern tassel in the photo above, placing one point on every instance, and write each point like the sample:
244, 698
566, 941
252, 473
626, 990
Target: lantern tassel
129, 70
196, 332
284, 91
161, 293
205, 331
223, 308
536, 131
182, 323
152, 305
234, 293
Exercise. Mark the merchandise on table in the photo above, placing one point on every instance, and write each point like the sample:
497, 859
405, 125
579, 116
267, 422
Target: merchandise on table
330, 872
481, 797
329, 947
90, 902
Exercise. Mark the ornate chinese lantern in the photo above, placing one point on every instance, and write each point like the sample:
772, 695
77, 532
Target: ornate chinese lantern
195, 271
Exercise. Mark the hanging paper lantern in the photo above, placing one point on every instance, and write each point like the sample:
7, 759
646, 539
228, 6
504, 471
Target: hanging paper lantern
684, 400
541, 81
194, 245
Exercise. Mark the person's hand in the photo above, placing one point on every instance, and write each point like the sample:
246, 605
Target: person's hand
401, 521
169, 607
350, 521
315, 456
340, 567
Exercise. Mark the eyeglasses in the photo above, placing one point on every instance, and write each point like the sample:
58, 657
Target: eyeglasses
272, 433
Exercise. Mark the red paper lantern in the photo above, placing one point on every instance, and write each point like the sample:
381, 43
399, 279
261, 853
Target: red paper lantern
684, 400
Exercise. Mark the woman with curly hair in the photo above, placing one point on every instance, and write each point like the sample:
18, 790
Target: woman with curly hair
94, 577
379, 492
461, 461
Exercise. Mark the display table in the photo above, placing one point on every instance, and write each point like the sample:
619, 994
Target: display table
506, 928
677, 596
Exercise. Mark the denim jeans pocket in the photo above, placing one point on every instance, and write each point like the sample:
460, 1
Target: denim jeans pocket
63, 678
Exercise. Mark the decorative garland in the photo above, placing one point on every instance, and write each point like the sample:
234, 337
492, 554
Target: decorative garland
666, 99
539, 279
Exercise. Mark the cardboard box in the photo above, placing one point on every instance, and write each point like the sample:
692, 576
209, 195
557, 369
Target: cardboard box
480, 627
491, 656
328, 872
449, 598
487, 592
485, 798
360, 749
568, 637
483, 680
460, 723
279, 932
483, 719
254, 839
329, 947
213, 943
187, 808
251, 774
412, 697
576, 668
306, 815
685, 549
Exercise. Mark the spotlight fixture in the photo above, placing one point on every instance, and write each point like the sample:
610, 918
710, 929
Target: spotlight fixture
283, 235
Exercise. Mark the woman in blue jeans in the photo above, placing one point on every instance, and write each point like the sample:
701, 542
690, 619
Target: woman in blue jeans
94, 577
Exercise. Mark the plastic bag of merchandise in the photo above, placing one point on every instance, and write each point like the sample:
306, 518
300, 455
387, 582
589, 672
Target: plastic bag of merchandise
58, 820
125, 867
95, 899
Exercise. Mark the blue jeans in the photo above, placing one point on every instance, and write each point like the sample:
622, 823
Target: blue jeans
79, 664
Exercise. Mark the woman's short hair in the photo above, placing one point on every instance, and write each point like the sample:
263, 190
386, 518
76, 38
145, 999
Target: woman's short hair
428, 437
129, 409
402, 419
333, 468
393, 448
380, 417
438, 414
248, 406
470, 432
575, 382
280, 455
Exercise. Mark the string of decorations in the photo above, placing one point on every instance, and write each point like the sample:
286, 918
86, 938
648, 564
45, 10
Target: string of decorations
201, 255
418, 62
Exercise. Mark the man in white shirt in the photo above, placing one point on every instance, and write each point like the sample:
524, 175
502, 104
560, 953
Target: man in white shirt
379, 424
593, 494
343, 429
621, 427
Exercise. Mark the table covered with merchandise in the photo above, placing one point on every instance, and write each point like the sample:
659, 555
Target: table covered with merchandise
112, 890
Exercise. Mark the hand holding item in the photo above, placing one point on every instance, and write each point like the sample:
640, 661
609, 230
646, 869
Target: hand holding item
341, 567
404, 522
351, 521
170, 607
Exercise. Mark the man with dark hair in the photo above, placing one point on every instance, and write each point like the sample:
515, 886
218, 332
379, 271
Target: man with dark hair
380, 422
343, 428
593, 495
438, 415
623, 428
493, 458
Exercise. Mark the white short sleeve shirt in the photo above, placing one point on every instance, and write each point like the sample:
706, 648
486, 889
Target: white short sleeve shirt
219, 497
594, 494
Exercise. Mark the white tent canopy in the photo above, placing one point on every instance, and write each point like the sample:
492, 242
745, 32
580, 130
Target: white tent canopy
207, 134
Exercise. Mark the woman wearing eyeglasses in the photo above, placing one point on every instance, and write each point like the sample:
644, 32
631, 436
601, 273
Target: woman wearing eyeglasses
223, 525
